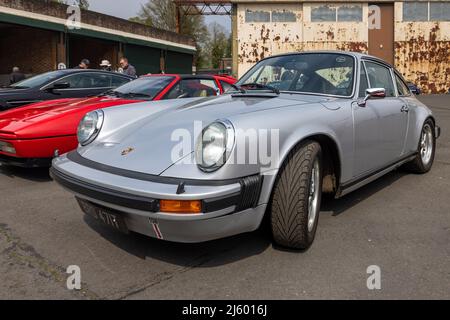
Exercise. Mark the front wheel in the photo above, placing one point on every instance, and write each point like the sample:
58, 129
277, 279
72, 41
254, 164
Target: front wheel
296, 199
426, 150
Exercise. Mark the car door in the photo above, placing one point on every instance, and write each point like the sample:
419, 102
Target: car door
380, 126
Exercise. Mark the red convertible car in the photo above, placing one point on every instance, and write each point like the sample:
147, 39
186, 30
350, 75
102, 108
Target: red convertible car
32, 135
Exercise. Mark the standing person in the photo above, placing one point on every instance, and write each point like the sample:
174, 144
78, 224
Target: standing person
16, 76
105, 65
84, 64
128, 69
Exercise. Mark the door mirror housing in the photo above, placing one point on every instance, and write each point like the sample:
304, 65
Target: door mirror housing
372, 93
58, 86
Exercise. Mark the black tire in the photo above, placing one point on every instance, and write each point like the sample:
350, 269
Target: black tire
290, 197
418, 165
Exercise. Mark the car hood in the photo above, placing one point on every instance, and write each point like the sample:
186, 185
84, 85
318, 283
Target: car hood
52, 118
146, 142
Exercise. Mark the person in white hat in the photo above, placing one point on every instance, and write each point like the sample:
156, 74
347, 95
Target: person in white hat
105, 65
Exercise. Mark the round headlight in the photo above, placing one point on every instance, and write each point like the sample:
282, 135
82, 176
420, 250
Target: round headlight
215, 145
89, 127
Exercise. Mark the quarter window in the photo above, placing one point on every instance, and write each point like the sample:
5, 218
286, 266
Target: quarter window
191, 88
402, 88
225, 86
380, 77
363, 83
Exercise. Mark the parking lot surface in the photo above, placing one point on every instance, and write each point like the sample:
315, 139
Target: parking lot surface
400, 223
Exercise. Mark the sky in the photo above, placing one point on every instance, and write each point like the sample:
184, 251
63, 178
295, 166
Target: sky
129, 8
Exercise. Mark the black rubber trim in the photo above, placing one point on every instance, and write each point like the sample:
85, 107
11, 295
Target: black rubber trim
77, 158
105, 194
361, 179
25, 162
251, 191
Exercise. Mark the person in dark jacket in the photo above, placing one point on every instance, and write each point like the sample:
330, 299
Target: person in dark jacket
84, 64
127, 68
16, 76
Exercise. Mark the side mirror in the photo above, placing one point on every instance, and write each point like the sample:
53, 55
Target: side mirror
59, 85
372, 93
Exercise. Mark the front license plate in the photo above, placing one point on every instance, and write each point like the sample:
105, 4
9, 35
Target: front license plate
107, 216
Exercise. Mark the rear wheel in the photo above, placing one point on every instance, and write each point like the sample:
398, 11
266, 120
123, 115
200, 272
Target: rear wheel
426, 150
297, 195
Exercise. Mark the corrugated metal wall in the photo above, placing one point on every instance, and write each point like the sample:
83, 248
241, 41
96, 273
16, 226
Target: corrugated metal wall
422, 49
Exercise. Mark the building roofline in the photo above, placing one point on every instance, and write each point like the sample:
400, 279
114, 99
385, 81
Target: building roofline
98, 25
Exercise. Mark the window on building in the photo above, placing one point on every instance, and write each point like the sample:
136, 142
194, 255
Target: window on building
323, 13
349, 13
327, 13
283, 16
439, 11
415, 11
426, 11
256, 16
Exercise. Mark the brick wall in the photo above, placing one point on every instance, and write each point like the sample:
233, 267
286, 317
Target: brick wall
32, 50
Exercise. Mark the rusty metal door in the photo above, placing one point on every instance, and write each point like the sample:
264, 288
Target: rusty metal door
381, 40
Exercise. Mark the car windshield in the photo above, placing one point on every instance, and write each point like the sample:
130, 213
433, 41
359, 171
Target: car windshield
37, 81
315, 73
144, 87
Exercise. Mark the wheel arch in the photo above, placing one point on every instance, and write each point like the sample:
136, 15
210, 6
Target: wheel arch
332, 157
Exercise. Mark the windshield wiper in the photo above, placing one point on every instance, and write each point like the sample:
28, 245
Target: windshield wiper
261, 86
137, 94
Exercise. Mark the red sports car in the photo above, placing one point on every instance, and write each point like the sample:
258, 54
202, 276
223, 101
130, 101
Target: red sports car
32, 135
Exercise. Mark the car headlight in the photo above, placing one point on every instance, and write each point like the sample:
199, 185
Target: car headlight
89, 127
214, 146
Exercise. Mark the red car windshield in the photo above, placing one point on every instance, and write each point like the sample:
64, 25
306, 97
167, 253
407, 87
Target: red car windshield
143, 88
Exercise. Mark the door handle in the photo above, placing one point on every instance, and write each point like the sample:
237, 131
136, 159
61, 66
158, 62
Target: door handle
405, 109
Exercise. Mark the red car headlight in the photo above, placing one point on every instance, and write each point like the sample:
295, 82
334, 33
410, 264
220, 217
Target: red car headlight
7, 147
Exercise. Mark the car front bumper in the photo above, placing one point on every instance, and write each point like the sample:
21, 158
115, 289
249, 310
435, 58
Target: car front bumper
229, 207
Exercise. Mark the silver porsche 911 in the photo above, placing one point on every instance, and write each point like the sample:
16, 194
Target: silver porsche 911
294, 127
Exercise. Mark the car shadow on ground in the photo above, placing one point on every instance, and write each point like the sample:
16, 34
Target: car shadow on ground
32, 174
228, 250
341, 205
205, 255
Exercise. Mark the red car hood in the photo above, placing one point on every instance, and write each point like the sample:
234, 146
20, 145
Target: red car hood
52, 118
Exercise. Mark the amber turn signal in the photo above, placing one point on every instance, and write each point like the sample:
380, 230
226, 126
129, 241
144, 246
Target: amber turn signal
180, 206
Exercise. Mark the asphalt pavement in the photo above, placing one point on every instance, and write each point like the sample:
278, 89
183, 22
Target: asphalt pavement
400, 223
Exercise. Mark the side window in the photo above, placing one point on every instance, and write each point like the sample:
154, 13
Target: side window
117, 81
226, 86
192, 88
87, 80
380, 77
363, 83
402, 88
101, 80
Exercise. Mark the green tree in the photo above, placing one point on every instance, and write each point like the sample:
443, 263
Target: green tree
162, 14
219, 45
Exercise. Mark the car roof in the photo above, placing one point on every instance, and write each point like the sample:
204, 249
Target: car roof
357, 55
182, 76
70, 71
